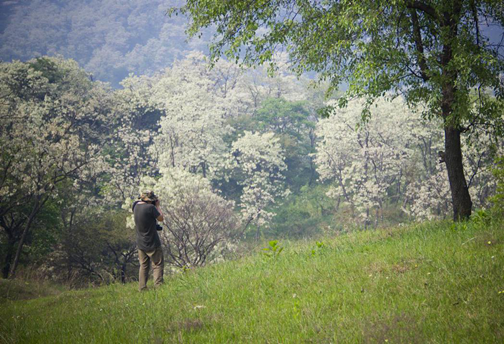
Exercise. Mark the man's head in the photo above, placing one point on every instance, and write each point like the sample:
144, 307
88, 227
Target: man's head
148, 196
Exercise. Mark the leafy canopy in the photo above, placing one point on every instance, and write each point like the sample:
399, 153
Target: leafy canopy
414, 48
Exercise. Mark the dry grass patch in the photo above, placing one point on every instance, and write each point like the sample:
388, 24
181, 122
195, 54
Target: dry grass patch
400, 328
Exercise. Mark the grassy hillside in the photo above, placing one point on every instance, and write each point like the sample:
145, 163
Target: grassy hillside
434, 282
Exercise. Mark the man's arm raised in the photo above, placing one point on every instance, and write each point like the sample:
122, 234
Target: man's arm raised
160, 218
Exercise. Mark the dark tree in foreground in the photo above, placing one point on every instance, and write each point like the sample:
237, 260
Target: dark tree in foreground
433, 52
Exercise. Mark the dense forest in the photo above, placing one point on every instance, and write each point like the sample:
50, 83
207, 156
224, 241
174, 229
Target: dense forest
108, 38
98, 106
234, 155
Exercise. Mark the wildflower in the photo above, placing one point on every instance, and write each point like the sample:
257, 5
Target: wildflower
501, 292
489, 243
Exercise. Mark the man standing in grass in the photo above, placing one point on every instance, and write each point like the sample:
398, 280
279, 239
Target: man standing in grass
146, 213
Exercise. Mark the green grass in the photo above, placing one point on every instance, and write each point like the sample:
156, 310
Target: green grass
429, 283
23, 289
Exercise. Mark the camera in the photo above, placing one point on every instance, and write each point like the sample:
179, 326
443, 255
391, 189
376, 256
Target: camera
159, 227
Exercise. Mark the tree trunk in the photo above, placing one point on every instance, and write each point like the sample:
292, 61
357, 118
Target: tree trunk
36, 207
462, 204
11, 229
8, 257
123, 271
20, 247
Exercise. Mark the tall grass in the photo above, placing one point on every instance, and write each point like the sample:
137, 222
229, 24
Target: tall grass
433, 282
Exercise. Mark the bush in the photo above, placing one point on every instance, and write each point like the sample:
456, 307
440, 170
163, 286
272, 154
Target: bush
498, 198
200, 224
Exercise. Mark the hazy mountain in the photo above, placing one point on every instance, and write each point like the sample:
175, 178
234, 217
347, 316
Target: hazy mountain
109, 38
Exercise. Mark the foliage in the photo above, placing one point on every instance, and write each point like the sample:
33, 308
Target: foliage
374, 46
434, 54
294, 125
498, 198
221, 141
95, 247
125, 135
52, 124
304, 214
392, 159
283, 117
273, 250
258, 158
118, 39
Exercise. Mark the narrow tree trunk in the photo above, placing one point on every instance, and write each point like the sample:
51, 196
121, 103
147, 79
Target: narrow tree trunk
20, 248
462, 204
367, 222
204, 170
8, 257
35, 210
68, 229
123, 271
11, 229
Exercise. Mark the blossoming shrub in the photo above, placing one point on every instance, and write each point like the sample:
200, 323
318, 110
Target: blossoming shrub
200, 225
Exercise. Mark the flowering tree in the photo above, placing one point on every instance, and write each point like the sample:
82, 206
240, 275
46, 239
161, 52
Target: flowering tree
435, 53
183, 117
52, 120
367, 160
193, 127
276, 83
395, 158
129, 152
259, 162
294, 125
427, 196
198, 105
